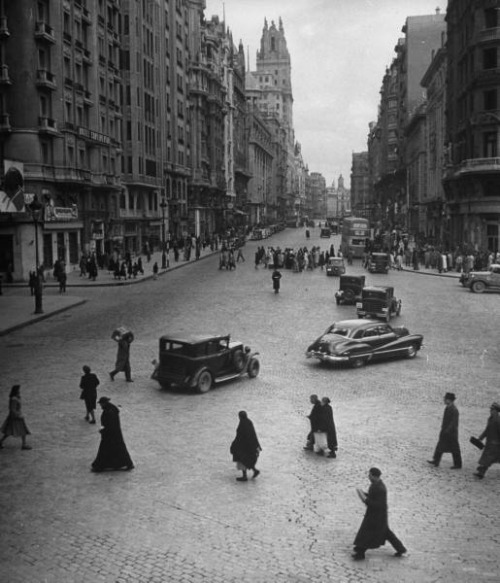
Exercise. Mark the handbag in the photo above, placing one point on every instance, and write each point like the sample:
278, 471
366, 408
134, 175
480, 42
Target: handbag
477, 442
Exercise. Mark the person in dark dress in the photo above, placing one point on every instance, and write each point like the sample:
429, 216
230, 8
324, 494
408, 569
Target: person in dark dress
245, 448
276, 281
374, 530
89, 383
327, 425
491, 451
15, 425
123, 356
112, 453
448, 436
314, 417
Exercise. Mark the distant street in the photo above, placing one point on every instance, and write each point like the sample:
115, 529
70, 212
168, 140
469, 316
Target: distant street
180, 516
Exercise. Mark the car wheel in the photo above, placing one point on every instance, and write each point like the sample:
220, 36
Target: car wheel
253, 368
204, 382
478, 287
412, 351
349, 295
239, 360
358, 362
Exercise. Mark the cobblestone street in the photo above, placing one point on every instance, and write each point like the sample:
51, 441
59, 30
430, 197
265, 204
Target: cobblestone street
180, 516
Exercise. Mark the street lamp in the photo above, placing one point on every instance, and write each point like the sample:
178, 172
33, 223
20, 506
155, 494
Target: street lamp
163, 206
36, 209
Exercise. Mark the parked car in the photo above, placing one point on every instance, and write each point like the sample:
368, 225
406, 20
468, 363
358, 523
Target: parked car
378, 302
197, 361
350, 287
480, 281
356, 342
378, 263
335, 266
325, 232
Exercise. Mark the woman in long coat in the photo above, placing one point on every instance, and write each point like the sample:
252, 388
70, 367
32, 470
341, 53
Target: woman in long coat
491, 451
112, 453
15, 425
245, 447
123, 356
89, 383
327, 425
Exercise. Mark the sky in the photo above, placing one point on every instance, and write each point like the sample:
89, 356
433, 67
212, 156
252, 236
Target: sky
339, 50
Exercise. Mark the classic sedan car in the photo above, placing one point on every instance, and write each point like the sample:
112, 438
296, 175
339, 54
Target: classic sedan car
480, 281
197, 361
357, 342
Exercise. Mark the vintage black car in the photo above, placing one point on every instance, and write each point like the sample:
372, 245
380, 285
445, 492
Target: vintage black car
355, 343
325, 232
349, 289
197, 361
378, 263
480, 281
378, 302
335, 266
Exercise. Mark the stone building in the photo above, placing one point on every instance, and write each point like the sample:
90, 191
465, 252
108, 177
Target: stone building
360, 185
318, 195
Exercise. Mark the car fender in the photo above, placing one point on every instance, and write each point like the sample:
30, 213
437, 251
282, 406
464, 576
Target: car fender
356, 349
404, 341
248, 357
193, 380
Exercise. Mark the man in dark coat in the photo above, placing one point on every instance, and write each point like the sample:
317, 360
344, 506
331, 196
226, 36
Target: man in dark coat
327, 425
245, 447
112, 453
123, 355
374, 530
491, 451
89, 383
448, 436
276, 281
313, 416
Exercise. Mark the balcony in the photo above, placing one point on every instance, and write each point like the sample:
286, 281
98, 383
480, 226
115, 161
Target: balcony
47, 125
488, 35
4, 75
4, 29
44, 32
5, 126
487, 76
479, 166
86, 16
87, 98
46, 80
87, 57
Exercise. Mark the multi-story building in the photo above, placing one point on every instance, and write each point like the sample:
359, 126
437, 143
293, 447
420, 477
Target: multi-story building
318, 195
472, 180
360, 185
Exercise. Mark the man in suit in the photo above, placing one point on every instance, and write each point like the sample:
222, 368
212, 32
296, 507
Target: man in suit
448, 436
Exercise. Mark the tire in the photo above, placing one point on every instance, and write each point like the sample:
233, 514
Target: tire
349, 295
253, 368
478, 287
204, 382
358, 362
239, 360
412, 351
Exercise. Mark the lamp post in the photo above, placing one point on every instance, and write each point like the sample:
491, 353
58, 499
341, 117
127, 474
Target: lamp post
163, 206
36, 209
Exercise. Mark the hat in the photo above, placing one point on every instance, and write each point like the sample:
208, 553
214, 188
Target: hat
450, 396
103, 400
495, 405
375, 472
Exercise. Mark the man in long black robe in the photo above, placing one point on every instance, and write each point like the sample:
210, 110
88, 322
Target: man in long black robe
313, 416
245, 447
448, 436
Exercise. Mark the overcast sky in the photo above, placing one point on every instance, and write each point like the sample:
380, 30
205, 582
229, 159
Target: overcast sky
339, 50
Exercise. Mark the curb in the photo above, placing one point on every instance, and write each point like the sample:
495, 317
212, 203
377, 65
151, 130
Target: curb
40, 318
417, 271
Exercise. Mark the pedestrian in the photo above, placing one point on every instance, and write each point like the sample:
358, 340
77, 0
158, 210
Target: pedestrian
276, 281
240, 256
313, 417
491, 451
89, 383
257, 258
245, 447
15, 425
327, 425
62, 278
155, 270
112, 453
448, 436
124, 340
374, 530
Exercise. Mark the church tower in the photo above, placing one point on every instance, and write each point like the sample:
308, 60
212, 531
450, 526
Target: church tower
274, 76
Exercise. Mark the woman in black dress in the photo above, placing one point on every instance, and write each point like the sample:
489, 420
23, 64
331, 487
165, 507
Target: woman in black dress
245, 447
15, 425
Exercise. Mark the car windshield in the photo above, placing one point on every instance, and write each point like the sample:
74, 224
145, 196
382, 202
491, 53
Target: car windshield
341, 331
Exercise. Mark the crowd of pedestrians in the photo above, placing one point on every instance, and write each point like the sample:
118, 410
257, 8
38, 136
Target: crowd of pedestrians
296, 260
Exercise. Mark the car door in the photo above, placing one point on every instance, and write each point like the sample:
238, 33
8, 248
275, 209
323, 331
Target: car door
386, 346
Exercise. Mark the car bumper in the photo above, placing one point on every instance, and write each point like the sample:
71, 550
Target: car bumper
326, 357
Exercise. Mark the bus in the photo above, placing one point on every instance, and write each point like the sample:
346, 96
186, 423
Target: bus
355, 232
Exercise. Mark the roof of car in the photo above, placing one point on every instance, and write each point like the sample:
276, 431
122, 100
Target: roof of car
355, 324
379, 254
378, 288
186, 338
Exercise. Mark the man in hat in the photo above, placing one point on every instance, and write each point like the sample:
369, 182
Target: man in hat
374, 530
448, 436
491, 451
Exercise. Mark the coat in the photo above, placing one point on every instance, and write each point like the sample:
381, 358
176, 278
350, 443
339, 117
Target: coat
373, 530
276, 279
123, 354
448, 436
491, 451
245, 447
314, 416
89, 383
327, 424
112, 453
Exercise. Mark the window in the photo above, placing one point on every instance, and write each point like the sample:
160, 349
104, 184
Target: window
491, 18
490, 145
490, 99
490, 59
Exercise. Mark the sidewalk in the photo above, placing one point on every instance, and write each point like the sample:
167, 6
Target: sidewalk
17, 306
429, 271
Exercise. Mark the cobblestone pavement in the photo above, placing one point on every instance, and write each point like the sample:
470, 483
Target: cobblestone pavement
180, 516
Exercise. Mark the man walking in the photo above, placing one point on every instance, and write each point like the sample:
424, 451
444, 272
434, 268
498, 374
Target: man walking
314, 418
491, 451
448, 436
374, 530
124, 341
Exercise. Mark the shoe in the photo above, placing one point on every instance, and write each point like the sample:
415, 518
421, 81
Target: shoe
455, 467
242, 479
332, 454
111, 376
358, 557
92, 422
401, 552
255, 473
128, 468
26, 447
308, 448
478, 475
130, 380
433, 463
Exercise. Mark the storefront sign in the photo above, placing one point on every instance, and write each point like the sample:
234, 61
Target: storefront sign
94, 136
60, 213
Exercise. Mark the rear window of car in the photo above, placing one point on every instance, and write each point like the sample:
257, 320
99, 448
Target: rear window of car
341, 331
